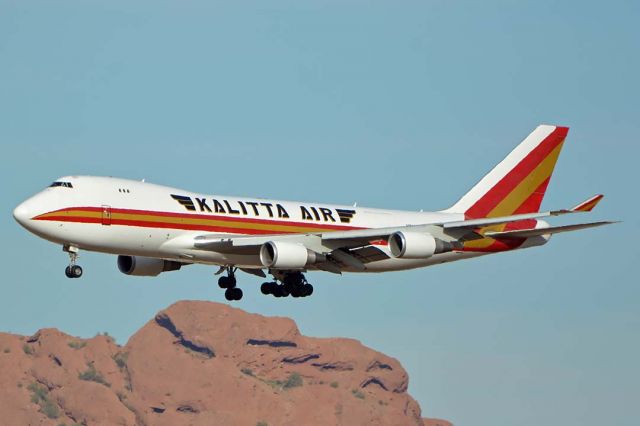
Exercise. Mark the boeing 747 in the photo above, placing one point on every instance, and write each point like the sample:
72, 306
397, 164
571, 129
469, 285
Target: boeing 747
155, 229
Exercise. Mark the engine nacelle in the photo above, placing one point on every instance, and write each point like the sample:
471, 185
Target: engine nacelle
414, 245
286, 255
145, 266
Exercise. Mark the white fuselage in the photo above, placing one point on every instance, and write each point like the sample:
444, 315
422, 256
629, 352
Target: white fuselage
126, 217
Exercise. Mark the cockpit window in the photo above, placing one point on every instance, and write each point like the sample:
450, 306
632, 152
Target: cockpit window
63, 184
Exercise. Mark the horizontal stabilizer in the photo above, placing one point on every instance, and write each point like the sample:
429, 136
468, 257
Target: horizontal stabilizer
527, 233
585, 206
588, 205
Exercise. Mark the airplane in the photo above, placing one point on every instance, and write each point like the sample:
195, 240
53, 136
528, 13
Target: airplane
155, 229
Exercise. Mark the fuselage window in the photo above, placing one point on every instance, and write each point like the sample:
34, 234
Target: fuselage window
62, 184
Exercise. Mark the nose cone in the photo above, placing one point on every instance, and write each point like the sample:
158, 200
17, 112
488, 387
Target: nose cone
22, 214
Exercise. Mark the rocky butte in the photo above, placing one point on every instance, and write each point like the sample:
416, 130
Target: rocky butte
202, 363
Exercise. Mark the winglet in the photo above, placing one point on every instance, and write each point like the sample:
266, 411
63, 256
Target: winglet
588, 205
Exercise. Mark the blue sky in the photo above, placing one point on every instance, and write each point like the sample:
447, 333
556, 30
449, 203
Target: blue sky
390, 104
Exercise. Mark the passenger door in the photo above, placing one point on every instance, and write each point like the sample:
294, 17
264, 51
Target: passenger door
106, 215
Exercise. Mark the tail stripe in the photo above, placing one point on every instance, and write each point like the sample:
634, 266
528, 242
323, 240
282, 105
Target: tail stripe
532, 204
518, 183
528, 181
588, 205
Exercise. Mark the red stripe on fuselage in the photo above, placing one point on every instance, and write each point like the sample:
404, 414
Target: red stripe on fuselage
495, 247
225, 218
310, 226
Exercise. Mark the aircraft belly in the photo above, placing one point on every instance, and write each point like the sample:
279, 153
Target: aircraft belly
106, 239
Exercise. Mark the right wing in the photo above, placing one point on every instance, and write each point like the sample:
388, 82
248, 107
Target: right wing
527, 233
355, 248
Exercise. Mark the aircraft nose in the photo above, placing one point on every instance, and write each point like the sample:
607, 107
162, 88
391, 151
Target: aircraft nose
22, 214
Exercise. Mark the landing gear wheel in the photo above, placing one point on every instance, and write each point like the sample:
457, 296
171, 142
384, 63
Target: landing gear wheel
76, 271
73, 271
233, 294
277, 290
266, 288
307, 290
227, 282
223, 282
284, 291
297, 291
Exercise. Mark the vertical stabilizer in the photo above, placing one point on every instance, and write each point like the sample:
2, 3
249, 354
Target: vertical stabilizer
518, 184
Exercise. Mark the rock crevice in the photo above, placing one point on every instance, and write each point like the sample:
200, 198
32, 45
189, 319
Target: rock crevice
165, 322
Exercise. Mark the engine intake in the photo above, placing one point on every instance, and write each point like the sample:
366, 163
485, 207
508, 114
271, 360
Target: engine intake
286, 255
146, 266
414, 245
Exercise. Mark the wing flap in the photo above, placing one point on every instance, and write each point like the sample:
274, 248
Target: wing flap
364, 237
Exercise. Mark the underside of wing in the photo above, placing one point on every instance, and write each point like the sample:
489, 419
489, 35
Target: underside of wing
349, 253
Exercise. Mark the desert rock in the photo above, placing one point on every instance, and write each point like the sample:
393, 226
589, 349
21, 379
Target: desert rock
202, 363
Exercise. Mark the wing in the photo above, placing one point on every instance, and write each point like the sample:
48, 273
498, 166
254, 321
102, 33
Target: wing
356, 248
463, 230
527, 233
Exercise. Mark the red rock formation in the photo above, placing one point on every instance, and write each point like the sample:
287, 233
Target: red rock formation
202, 363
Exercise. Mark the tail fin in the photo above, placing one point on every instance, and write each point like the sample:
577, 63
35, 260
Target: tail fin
517, 185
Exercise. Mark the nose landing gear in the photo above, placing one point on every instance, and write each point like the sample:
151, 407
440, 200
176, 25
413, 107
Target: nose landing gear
73, 270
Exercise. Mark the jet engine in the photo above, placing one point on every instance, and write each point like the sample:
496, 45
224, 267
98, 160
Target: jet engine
414, 245
286, 255
145, 266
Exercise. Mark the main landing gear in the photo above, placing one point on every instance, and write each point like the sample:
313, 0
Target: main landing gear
293, 284
73, 270
228, 282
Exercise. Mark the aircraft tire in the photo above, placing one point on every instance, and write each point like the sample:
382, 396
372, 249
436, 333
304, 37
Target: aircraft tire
297, 291
228, 294
75, 271
67, 272
227, 282
308, 290
237, 293
222, 282
233, 294
280, 291
265, 288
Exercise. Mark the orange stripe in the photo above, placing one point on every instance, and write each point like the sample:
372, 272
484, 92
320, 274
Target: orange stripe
509, 204
188, 222
492, 198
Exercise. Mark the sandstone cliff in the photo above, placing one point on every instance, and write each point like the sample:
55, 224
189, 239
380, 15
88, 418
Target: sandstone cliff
202, 363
